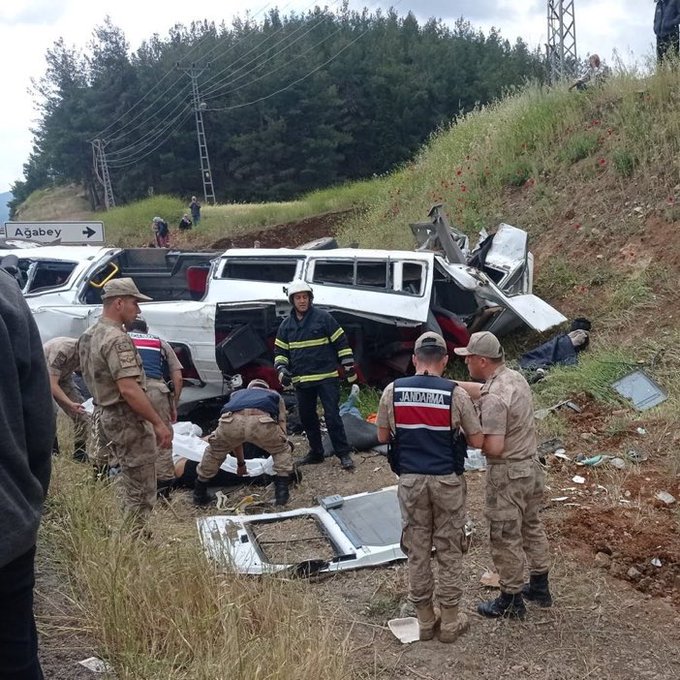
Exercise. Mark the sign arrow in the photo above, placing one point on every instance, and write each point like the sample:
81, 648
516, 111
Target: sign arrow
89, 232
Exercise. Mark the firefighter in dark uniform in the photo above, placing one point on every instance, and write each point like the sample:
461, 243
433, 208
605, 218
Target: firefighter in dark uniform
309, 346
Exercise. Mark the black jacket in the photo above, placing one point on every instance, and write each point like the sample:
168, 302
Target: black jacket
312, 347
26, 424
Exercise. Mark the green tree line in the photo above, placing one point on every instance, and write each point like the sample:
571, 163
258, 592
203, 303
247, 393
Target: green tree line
290, 103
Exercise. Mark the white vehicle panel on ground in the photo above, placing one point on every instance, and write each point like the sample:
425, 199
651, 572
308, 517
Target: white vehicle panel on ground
363, 530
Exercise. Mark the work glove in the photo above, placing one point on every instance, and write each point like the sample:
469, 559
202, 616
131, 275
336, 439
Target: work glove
351, 375
285, 378
578, 337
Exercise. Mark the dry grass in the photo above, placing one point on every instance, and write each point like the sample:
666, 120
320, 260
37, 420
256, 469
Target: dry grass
159, 609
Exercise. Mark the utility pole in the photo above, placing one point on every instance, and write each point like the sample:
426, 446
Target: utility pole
561, 46
194, 72
101, 171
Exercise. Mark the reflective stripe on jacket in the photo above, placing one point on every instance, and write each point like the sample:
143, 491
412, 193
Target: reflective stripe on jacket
424, 436
311, 347
149, 348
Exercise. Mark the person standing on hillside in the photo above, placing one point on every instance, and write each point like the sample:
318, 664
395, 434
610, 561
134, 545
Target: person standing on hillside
62, 360
164, 382
424, 417
27, 434
195, 210
515, 479
185, 223
161, 232
124, 416
309, 346
667, 29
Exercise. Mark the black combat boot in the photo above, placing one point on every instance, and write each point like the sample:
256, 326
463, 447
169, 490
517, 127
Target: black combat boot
311, 458
164, 487
346, 462
505, 605
200, 496
281, 494
537, 590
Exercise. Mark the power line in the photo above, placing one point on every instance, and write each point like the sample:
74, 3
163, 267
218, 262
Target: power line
295, 82
149, 135
214, 94
267, 39
180, 119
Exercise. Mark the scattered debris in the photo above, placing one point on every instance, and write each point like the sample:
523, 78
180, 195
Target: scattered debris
560, 499
618, 463
405, 630
577, 479
545, 412
641, 431
362, 530
642, 390
656, 562
96, 665
551, 446
490, 579
475, 460
665, 497
561, 455
636, 456
593, 461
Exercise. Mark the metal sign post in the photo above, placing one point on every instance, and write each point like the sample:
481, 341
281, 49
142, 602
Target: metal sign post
64, 233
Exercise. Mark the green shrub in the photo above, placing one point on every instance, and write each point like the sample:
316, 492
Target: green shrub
578, 147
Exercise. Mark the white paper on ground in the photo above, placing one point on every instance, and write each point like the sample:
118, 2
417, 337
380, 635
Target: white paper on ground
405, 630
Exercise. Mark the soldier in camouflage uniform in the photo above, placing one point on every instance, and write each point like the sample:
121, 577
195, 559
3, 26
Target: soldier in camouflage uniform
422, 417
62, 361
256, 415
113, 372
163, 372
515, 479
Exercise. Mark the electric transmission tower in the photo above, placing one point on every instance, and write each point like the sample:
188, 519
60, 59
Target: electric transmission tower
101, 171
561, 46
194, 72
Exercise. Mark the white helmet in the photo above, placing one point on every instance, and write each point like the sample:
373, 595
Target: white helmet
299, 286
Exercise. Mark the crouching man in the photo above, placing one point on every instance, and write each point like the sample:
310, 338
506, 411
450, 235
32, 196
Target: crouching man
424, 417
256, 415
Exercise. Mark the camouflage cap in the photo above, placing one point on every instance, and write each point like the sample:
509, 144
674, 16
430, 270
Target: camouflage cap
124, 287
482, 344
430, 340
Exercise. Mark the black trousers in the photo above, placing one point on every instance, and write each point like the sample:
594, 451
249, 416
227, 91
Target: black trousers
668, 45
18, 636
328, 391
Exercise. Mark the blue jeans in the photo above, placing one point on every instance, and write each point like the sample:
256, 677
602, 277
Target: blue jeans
328, 391
18, 636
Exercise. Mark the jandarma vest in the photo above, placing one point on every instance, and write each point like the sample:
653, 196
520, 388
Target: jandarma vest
424, 442
264, 400
149, 348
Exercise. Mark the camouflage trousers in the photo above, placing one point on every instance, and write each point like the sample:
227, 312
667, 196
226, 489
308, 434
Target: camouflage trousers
161, 399
133, 445
235, 429
514, 495
81, 423
433, 515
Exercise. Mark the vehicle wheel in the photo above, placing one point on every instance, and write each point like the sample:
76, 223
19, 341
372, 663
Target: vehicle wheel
325, 243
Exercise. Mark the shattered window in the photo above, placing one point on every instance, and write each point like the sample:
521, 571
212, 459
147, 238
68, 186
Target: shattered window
46, 274
272, 270
333, 271
412, 278
372, 274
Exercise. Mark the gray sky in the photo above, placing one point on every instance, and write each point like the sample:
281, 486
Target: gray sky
29, 27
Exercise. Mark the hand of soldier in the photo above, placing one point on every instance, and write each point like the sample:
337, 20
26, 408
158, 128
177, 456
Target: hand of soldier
163, 435
241, 469
285, 377
76, 409
351, 375
173, 413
